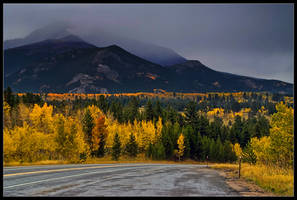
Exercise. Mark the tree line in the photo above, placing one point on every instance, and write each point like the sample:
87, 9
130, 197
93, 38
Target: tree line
35, 129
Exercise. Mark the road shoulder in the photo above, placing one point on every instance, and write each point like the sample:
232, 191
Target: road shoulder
242, 186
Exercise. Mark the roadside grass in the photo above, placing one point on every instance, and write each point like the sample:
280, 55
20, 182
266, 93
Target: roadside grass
141, 158
270, 178
43, 162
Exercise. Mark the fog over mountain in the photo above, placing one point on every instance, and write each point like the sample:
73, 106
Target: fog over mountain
247, 39
100, 38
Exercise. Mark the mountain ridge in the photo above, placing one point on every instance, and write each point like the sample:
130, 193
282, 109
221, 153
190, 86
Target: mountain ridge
70, 64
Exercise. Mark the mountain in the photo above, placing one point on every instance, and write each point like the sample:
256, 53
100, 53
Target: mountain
69, 64
193, 76
99, 38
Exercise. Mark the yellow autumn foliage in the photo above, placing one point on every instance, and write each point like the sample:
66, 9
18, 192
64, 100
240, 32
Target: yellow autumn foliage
9, 146
41, 118
181, 146
28, 144
261, 148
24, 113
6, 110
237, 149
95, 111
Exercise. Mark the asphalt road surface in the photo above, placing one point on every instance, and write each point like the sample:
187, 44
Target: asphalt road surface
114, 180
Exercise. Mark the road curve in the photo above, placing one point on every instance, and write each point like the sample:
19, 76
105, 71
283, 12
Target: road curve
114, 180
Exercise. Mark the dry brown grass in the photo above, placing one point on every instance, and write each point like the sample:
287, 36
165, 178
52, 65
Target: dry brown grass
270, 178
43, 162
104, 160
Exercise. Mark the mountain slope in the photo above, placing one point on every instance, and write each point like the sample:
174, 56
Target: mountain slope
69, 64
196, 77
63, 65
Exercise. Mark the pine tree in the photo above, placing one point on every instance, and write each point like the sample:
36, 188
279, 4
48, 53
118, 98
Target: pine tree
158, 152
157, 110
116, 148
88, 125
212, 150
191, 115
199, 146
131, 146
229, 154
167, 143
149, 112
191, 142
249, 155
9, 97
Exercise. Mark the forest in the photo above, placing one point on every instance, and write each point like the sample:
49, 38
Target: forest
214, 127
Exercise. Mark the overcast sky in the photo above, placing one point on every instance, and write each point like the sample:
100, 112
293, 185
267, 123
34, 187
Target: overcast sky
247, 39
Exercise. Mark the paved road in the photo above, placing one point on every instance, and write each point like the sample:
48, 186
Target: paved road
114, 180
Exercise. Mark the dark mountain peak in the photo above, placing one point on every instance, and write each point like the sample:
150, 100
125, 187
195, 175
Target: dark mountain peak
120, 57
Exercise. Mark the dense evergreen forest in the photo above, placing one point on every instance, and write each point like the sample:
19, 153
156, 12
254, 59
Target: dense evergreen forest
213, 127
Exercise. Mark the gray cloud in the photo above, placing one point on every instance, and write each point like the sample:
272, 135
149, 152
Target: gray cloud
247, 39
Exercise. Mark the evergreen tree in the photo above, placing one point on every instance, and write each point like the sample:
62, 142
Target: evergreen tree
131, 147
191, 115
149, 113
130, 112
102, 103
203, 124
88, 125
158, 152
212, 150
199, 149
249, 155
263, 125
236, 129
224, 133
116, 147
229, 154
167, 143
9, 97
245, 135
157, 110
205, 145
220, 150
192, 142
